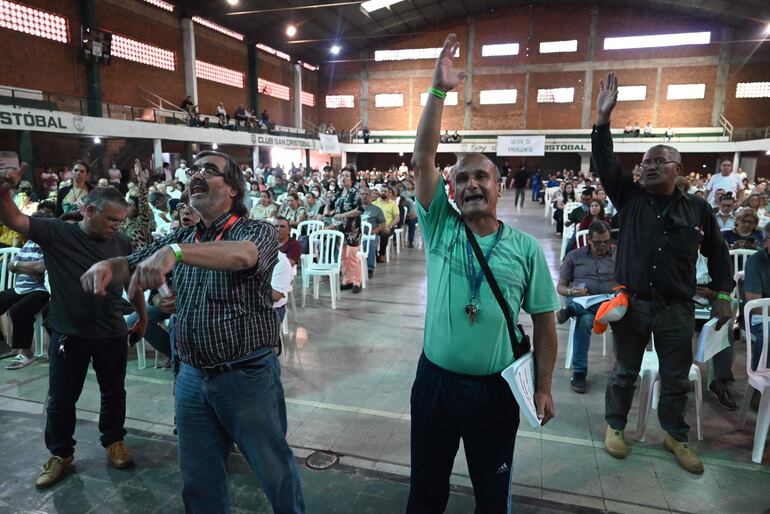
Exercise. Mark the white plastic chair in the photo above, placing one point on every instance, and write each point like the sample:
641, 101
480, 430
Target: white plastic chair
308, 226
398, 236
568, 230
739, 264
328, 245
363, 251
582, 238
568, 358
758, 379
649, 391
7, 278
551, 194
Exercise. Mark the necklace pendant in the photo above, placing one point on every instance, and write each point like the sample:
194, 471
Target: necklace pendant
472, 311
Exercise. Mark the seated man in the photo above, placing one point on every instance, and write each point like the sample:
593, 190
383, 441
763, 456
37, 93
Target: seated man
586, 271
376, 217
287, 244
576, 216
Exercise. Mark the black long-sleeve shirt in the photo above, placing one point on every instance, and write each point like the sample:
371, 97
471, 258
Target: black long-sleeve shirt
657, 249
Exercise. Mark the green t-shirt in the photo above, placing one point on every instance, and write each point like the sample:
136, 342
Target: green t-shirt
521, 271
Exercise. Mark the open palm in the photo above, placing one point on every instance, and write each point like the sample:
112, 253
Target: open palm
446, 77
608, 97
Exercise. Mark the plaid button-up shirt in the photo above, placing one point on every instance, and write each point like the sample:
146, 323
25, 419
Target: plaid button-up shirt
222, 315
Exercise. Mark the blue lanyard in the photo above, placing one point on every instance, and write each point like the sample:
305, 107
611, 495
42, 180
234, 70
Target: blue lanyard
477, 278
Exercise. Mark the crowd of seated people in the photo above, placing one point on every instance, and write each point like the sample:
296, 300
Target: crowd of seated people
240, 117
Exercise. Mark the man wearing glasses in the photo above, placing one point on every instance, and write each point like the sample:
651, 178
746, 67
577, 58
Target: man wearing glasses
661, 232
84, 328
228, 389
585, 271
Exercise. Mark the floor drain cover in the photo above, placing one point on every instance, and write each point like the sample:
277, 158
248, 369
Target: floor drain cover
322, 460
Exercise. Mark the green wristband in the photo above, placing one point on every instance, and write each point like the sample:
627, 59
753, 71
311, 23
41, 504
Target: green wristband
437, 93
724, 296
177, 251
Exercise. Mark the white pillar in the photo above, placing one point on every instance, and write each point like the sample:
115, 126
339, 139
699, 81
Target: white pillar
188, 51
343, 159
736, 161
298, 95
254, 159
157, 154
585, 163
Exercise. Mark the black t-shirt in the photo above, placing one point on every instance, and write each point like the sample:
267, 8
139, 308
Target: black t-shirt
520, 179
68, 253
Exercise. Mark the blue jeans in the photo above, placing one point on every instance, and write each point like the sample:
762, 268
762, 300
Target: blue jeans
411, 227
155, 335
371, 257
245, 407
581, 339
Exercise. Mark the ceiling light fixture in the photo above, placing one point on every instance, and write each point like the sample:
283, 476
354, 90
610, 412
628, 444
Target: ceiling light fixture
214, 146
767, 29
97, 140
373, 5
291, 31
232, 2
335, 50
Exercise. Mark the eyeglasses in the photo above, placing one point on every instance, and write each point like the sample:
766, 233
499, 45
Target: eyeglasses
206, 171
599, 243
182, 207
656, 163
110, 219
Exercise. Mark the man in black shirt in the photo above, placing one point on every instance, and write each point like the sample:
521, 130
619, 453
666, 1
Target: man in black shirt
84, 328
661, 230
520, 182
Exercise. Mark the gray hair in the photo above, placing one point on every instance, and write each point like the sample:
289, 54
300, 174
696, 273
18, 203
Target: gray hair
233, 178
673, 153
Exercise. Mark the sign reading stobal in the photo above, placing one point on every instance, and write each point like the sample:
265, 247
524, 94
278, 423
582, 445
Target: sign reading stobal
28, 120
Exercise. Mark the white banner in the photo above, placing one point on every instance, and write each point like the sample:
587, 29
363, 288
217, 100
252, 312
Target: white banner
330, 144
552, 147
520, 145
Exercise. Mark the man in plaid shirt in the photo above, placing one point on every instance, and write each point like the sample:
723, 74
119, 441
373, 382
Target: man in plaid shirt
228, 389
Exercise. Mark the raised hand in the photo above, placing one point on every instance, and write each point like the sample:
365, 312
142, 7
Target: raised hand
9, 179
446, 77
608, 97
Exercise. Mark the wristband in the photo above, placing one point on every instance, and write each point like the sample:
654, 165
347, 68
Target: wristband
177, 251
569, 291
724, 296
437, 93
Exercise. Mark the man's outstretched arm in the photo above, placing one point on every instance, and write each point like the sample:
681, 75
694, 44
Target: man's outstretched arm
445, 78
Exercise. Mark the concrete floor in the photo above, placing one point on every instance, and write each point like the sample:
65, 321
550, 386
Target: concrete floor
347, 375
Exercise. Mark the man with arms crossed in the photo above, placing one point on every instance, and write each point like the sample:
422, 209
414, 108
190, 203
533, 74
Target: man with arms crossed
84, 328
229, 388
661, 231
458, 392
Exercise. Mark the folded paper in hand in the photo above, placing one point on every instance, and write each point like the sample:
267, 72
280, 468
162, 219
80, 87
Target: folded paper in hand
592, 299
521, 379
711, 340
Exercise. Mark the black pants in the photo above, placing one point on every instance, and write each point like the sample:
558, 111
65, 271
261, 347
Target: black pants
672, 325
447, 407
22, 309
66, 375
384, 240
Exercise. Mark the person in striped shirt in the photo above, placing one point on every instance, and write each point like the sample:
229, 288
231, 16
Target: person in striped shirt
23, 301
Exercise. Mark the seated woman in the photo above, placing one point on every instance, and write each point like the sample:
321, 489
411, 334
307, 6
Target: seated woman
567, 195
595, 213
265, 209
294, 212
744, 234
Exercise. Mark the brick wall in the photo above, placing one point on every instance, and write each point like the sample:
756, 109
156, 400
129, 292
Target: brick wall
555, 115
686, 113
215, 48
629, 112
747, 112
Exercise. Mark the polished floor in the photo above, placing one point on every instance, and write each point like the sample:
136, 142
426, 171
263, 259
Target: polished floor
347, 375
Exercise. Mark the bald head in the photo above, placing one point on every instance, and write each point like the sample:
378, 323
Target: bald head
474, 161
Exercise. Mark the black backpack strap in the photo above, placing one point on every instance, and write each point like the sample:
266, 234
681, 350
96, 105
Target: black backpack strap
520, 348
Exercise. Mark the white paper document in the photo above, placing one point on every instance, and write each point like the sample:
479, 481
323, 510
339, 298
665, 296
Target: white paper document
711, 340
591, 299
521, 379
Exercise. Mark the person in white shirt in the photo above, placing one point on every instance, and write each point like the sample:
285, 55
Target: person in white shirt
283, 275
727, 180
725, 216
403, 169
180, 175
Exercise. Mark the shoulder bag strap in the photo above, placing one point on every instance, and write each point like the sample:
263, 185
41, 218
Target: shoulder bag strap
520, 348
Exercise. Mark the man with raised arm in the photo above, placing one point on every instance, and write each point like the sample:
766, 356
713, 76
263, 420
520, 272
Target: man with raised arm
229, 388
85, 329
661, 230
458, 392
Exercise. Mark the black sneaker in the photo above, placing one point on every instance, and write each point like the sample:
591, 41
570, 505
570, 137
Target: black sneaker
371, 273
564, 314
722, 395
356, 289
578, 382
343, 287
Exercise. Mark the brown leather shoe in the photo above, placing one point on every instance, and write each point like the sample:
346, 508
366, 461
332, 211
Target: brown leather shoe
53, 471
615, 443
685, 456
119, 456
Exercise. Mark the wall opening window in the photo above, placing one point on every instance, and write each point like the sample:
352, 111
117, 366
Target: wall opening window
631, 93
409, 54
497, 96
389, 100
307, 99
657, 40
556, 47
559, 95
501, 49
273, 89
752, 90
143, 53
220, 74
686, 91
34, 22
339, 101
451, 98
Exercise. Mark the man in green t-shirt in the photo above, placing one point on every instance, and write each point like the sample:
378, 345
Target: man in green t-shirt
458, 392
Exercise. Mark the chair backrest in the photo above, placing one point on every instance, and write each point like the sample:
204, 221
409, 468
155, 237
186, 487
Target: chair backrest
582, 238
7, 278
739, 258
551, 194
571, 206
327, 245
764, 305
309, 226
366, 232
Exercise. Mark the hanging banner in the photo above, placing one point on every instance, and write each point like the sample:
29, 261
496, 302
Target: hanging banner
330, 144
520, 145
